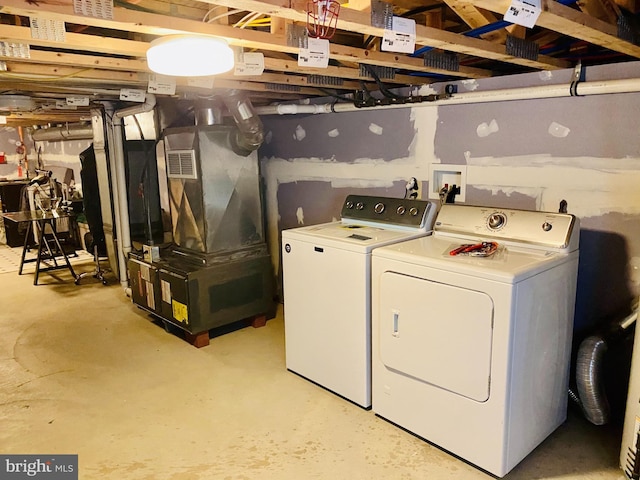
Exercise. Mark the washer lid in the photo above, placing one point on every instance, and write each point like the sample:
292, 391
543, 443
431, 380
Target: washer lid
510, 264
358, 238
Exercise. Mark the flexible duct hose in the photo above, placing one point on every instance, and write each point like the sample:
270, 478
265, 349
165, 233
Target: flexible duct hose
250, 129
593, 399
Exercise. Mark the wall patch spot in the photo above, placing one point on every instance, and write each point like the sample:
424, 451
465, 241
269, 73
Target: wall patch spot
268, 137
485, 130
545, 75
558, 131
300, 216
377, 129
300, 133
470, 85
333, 133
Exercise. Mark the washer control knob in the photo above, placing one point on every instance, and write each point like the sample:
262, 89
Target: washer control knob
496, 221
379, 208
546, 226
359, 206
349, 204
401, 210
413, 211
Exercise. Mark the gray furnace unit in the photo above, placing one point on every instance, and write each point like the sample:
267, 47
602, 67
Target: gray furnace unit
219, 270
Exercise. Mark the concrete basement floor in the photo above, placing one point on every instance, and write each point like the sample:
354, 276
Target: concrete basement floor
83, 371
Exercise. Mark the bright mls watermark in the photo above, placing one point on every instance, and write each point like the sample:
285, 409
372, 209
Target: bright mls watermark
50, 467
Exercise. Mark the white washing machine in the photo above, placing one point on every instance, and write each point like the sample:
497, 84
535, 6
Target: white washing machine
472, 353
630, 451
327, 289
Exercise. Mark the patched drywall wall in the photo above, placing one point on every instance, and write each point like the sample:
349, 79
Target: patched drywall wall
528, 154
564, 127
314, 202
355, 136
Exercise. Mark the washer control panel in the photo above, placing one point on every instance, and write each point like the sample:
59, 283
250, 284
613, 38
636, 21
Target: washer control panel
387, 210
546, 229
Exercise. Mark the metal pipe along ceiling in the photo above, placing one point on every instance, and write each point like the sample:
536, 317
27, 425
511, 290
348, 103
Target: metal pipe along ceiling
77, 131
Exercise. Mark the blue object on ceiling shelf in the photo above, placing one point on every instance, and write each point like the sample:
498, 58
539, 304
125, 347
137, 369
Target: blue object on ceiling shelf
491, 27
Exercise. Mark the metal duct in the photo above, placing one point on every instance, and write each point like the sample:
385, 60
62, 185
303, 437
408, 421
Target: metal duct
588, 379
214, 192
79, 131
208, 113
250, 133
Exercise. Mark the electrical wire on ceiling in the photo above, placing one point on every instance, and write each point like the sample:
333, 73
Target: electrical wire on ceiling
222, 15
383, 89
247, 19
335, 95
45, 79
250, 19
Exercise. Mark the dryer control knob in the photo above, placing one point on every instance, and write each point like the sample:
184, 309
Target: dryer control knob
349, 204
359, 206
546, 226
379, 208
496, 221
413, 211
401, 210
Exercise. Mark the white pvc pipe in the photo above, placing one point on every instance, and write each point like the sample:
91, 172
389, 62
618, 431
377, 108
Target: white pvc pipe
630, 85
120, 194
293, 108
122, 261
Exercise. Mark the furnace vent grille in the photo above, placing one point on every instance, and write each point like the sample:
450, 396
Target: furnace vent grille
181, 164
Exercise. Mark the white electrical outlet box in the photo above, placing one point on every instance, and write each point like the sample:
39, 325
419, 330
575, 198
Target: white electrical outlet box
441, 175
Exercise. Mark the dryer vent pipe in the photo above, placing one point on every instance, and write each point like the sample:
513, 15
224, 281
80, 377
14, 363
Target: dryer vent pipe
591, 393
589, 377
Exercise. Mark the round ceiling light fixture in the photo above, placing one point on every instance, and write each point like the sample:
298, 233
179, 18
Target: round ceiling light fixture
189, 56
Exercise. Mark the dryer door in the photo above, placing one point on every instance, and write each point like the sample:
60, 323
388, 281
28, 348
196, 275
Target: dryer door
436, 333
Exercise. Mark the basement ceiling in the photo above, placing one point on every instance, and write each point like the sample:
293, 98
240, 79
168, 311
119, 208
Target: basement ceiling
53, 52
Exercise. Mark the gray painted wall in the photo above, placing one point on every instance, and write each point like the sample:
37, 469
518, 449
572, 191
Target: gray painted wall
528, 154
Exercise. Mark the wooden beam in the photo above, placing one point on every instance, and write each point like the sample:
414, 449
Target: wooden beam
56, 59
81, 60
140, 22
49, 73
360, 22
605, 10
573, 23
475, 18
632, 6
76, 41
339, 72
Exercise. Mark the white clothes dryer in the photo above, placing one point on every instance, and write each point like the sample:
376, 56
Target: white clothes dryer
471, 352
327, 289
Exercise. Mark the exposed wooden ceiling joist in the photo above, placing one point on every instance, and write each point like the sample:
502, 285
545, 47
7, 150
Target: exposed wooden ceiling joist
153, 24
356, 21
573, 23
99, 56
